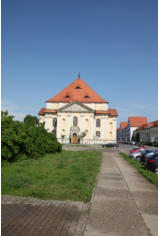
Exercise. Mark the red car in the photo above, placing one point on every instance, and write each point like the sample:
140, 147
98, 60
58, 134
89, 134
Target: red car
138, 149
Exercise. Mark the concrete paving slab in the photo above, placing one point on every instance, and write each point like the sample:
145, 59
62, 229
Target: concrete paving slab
152, 223
147, 201
116, 215
113, 193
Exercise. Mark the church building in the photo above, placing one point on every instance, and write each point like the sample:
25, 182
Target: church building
78, 114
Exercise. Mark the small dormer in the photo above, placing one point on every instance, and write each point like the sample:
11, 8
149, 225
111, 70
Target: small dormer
67, 96
77, 87
86, 96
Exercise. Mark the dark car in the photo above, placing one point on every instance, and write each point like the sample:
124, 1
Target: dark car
110, 145
152, 163
149, 155
145, 153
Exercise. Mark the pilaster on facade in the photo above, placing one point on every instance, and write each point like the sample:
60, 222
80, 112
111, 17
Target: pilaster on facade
114, 129
102, 127
82, 122
106, 127
48, 122
91, 125
58, 125
68, 125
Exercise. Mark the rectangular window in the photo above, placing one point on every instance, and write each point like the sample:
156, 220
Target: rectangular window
54, 122
97, 134
97, 122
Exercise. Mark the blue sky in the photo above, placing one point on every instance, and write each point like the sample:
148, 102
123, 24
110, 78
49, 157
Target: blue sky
112, 43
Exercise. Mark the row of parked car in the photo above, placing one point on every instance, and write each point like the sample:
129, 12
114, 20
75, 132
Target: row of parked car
146, 156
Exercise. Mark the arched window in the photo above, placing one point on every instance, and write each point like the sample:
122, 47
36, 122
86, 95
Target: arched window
97, 122
75, 121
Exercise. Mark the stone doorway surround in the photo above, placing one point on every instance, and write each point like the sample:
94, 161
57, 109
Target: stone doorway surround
74, 131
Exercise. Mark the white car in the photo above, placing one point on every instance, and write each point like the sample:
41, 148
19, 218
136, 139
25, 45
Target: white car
135, 155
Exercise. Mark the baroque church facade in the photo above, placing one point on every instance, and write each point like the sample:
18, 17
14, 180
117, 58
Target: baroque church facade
78, 114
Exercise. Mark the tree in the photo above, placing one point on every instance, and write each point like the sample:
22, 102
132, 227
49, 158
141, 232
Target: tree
12, 136
31, 120
28, 137
136, 137
83, 134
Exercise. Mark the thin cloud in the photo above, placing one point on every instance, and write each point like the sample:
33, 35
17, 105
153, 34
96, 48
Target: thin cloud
13, 110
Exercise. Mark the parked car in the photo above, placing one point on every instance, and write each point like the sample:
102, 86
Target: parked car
135, 153
137, 149
149, 155
110, 145
152, 163
144, 154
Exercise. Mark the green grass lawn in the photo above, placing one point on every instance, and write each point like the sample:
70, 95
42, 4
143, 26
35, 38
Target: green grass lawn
61, 176
152, 177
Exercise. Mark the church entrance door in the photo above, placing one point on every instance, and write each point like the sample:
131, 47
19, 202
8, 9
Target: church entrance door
74, 138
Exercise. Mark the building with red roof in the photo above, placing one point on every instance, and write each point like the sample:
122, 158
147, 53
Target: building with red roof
78, 113
147, 132
127, 128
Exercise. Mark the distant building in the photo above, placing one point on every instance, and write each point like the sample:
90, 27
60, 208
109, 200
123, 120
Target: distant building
78, 113
147, 132
133, 124
121, 132
127, 128
117, 134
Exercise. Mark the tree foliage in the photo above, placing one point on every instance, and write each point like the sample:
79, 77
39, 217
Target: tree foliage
136, 137
31, 120
28, 137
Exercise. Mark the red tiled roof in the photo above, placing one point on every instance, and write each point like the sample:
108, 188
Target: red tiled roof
137, 121
111, 112
152, 124
148, 125
102, 112
123, 125
41, 112
143, 126
77, 91
44, 110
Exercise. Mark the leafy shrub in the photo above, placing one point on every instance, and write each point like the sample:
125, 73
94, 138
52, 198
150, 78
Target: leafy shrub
26, 139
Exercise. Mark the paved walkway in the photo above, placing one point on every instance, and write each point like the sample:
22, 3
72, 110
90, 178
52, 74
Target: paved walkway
34, 217
124, 203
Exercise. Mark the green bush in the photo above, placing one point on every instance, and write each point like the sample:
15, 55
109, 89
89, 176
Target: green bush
26, 139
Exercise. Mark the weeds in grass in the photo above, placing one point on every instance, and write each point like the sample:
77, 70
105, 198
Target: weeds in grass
61, 176
16, 182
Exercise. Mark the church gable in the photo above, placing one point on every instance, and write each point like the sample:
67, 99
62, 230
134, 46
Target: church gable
75, 107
